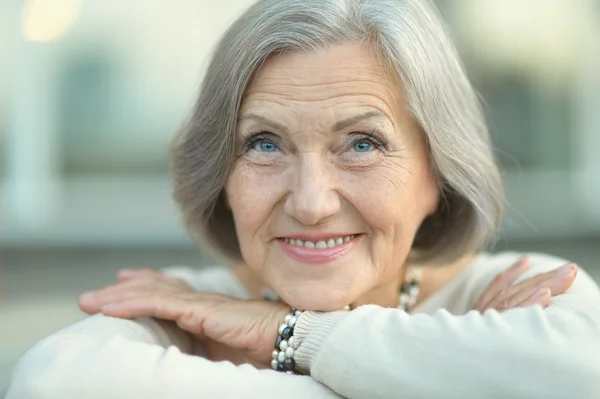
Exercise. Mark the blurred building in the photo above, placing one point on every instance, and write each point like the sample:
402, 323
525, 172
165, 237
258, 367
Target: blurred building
91, 92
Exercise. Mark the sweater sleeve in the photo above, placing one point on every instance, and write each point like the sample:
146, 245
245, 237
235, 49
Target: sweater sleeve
104, 357
533, 352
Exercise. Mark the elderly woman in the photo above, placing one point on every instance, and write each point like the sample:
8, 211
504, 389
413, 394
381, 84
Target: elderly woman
338, 155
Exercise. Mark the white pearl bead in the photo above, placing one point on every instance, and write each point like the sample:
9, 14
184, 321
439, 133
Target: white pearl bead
283, 345
274, 354
292, 342
289, 352
281, 327
287, 318
274, 364
292, 321
281, 357
347, 308
298, 313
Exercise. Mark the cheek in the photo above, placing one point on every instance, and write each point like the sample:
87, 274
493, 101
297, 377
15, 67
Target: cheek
394, 197
252, 197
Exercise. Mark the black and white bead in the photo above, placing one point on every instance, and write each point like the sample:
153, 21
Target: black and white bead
409, 290
285, 345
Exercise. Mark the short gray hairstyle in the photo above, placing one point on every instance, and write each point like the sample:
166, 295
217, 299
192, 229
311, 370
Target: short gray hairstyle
411, 38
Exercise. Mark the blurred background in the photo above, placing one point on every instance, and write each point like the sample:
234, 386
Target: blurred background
91, 92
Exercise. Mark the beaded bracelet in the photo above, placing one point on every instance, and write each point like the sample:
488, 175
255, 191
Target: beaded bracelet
285, 345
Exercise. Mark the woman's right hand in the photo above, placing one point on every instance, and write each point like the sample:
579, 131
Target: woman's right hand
502, 294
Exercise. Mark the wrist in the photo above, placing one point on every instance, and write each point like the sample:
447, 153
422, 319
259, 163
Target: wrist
277, 318
282, 355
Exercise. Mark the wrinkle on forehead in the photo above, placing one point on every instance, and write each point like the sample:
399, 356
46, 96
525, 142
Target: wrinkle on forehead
311, 91
316, 76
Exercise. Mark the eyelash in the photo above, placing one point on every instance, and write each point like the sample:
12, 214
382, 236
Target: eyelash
251, 141
371, 137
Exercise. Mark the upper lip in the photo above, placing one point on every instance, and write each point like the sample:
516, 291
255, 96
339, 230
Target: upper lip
317, 237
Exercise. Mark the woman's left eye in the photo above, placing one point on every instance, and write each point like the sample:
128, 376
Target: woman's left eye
362, 146
366, 143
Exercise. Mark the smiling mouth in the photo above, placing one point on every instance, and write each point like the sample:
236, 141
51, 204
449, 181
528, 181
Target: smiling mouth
321, 244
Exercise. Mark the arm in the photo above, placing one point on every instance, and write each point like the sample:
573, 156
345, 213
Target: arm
529, 352
105, 357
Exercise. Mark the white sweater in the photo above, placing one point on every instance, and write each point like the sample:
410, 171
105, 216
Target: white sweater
442, 350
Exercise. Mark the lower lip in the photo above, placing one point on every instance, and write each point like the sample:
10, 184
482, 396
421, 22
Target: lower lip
318, 256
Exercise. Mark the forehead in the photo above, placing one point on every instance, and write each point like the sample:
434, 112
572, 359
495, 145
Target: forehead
349, 73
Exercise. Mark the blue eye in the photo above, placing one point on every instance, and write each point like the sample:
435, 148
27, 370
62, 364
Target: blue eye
265, 146
362, 146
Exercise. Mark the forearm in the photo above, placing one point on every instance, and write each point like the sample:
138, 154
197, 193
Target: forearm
529, 352
132, 362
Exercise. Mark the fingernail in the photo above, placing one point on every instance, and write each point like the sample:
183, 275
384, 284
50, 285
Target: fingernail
541, 292
566, 269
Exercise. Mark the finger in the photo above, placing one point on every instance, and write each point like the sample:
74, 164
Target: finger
557, 281
541, 297
502, 281
91, 302
127, 274
159, 306
177, 309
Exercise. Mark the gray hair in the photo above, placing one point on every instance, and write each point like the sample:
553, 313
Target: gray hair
411, 38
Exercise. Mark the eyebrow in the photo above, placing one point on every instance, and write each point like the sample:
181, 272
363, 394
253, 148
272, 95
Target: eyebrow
337, 127
357, 118
266, 121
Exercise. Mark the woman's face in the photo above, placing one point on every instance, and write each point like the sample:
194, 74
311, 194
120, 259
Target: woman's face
331, 180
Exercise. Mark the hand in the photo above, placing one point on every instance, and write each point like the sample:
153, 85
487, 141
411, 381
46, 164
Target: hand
502, 295
131, 281
240, 331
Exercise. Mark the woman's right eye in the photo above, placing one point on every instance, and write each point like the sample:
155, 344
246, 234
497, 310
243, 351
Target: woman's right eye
265, 146
261, 143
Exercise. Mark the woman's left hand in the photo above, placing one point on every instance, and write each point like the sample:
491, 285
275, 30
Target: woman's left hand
242, 331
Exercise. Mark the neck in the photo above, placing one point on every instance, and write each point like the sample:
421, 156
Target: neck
437, 277
384, 295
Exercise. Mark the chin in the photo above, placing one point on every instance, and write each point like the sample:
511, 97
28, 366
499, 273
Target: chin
315, 298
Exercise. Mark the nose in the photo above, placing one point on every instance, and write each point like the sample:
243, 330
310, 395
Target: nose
313, 198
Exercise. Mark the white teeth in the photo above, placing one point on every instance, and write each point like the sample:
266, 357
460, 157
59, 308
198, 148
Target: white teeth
322, 244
